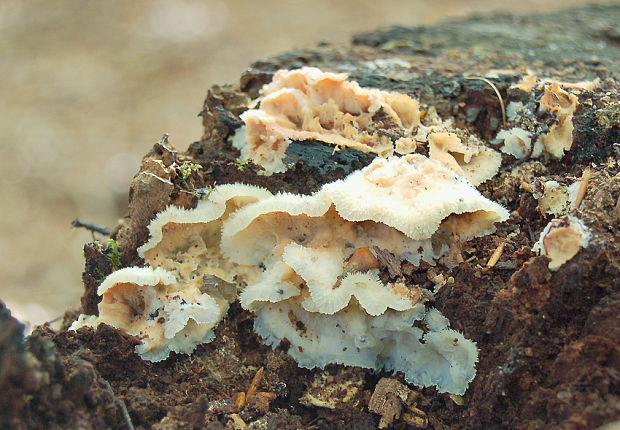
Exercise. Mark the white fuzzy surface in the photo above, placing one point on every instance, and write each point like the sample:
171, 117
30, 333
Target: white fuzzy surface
389, 341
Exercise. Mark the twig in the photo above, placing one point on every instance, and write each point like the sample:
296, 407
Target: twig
499, 96
121, 405
91, 226
53, 320
164, 140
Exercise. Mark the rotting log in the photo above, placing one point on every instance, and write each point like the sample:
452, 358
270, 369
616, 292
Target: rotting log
549, 341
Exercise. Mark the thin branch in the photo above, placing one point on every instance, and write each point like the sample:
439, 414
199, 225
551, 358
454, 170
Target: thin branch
121, 405
499, 96
102, 229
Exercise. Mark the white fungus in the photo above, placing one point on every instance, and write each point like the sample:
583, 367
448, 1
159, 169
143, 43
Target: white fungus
309, 268
149, 304
308, 104
412, 206
556, 198
517, 142
556, 101
562, 104
174, 304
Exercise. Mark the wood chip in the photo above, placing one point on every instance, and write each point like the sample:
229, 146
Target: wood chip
581, 192
388, 400
240, 401
254, 384
237, 422
389, 260
416, 418
497, 254
459, 400
527, 187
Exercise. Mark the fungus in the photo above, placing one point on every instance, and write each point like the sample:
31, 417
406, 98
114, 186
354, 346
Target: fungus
174, 304
556, 198
164, 315
310, 266
561, 239
186, 242
418, 197
532, 81
308, 104
313, 291
475, 162
517, 142
562, 104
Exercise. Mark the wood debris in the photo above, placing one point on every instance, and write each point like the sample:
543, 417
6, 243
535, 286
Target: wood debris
394, 400
583, 187
237, 422
254, 384
497, 254
388, 260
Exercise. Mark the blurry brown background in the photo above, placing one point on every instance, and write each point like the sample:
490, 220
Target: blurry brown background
88, 87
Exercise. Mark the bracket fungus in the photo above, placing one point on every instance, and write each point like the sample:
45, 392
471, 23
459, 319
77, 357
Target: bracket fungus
309, 267
308, 104
558, 138
163, 314
174, 304
310, 298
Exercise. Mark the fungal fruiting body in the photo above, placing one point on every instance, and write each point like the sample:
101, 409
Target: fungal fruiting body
174, 304
562, 104
151, 305
555, 101
313, 269
320, 293
308, 104
516, 142
321, 272
561, 239
556, 198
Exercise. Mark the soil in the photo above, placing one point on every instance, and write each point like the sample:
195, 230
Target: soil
548, 341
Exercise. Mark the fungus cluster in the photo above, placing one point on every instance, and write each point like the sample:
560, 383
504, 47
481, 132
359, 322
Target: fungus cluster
173, 304
527, 139
321, 272
308, 104
164, 314
321, 293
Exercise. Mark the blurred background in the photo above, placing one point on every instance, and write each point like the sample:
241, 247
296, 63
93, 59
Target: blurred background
87, 87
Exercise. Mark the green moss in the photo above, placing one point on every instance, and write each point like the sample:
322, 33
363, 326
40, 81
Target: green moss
114, 254
99, 275
187, 168
242, 163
